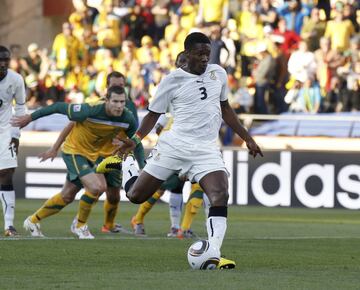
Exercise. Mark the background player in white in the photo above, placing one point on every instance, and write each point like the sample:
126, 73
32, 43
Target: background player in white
197, 93
11, 87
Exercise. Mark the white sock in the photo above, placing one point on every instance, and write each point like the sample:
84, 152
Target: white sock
216, 228
130, 172
8, 204
175, 207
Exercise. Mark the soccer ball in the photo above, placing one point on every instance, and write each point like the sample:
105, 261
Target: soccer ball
203, 256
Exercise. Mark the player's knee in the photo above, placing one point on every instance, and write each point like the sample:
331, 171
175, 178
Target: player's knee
135, 197
219, 198
113, 198
97, 188
6, 176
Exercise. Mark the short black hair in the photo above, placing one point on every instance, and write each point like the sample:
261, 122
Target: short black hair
115, 89
114, 74
4, 49
194, 38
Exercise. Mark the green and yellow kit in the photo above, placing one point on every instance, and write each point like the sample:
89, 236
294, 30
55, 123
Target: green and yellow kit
91, 136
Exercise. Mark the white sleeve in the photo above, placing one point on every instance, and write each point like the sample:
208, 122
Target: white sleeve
20, 108
163, 96
224, 89
162, 121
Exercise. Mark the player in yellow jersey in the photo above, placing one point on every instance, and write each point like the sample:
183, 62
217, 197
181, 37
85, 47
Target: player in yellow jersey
95, 126
111, 203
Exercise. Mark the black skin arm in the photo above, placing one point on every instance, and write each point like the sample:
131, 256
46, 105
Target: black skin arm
149, 121
232, 120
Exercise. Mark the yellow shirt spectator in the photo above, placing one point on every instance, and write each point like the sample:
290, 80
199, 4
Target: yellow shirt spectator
66, 48
339, 33
146, 44
213, 11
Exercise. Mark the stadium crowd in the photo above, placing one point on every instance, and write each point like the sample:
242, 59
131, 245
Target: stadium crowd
298, 56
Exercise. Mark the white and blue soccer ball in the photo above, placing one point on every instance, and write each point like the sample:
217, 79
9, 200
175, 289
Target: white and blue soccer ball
202, 256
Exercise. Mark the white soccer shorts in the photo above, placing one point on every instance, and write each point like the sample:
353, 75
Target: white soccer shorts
8, 158
195, 164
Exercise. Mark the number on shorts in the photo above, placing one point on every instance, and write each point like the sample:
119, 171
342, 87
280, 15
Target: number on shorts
12, 150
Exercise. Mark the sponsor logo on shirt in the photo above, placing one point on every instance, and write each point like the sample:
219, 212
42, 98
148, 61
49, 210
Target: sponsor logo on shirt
212, 75
77, 108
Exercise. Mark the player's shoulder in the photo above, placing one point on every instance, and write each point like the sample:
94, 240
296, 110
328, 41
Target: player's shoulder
127, 116
14, 76
216, 70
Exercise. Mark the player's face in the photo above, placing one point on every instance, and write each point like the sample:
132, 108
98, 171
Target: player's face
4, 63
198, 58
113, 81
115, 104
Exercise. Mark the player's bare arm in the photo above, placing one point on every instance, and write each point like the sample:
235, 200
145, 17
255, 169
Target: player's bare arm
232, 120
149, 121
53, 151
21, 121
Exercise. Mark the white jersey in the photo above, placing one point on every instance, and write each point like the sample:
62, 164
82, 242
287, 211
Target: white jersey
11, 88
195, 102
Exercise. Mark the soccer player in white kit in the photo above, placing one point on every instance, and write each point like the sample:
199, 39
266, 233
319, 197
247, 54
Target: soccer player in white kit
198, 95
11, 88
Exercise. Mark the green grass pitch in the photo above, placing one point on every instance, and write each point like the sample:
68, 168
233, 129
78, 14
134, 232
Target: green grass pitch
274, 248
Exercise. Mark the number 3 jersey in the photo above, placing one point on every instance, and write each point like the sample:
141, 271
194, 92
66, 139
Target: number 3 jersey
11, 88
195, 102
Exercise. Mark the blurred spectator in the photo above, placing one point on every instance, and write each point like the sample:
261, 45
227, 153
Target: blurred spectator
352, 93
310, 96
263, 74
293, 12
161, 18
146, 48
302, 64
340, 29
267, 13
217, 46
333, 102
188, 10
213, 12
75, 96
251, 34
240, 99
289, 39
281, 77
313, 30
141, 39
135, 26
292, 97
228, 56
66, 50
31, 64
175, 35
327, 60
107, 28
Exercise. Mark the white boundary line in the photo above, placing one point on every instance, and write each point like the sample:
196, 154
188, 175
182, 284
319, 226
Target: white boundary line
113, 237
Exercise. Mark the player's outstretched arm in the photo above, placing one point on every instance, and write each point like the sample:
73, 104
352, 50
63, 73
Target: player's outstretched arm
52, 152
232, 120
75, 112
